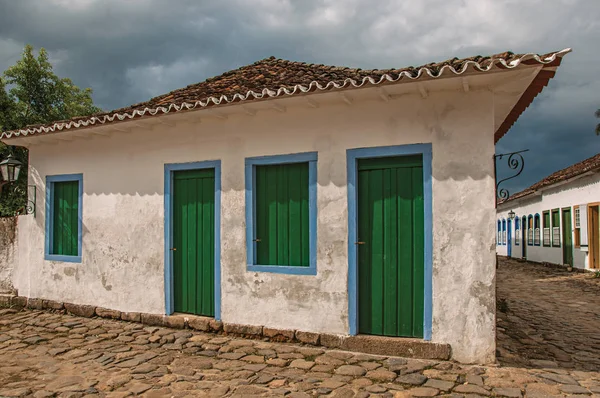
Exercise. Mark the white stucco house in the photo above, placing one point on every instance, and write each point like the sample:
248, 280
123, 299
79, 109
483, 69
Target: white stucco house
288, 195
556, 219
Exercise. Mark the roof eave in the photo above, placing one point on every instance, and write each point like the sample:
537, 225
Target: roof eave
541, 80
537, 85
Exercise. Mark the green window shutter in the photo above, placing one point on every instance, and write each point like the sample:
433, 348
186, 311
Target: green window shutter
555, 218
546, 225
65, 223
556, 228
281, 214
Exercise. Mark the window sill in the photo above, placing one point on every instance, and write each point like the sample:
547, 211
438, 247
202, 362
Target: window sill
282, 269
61, 258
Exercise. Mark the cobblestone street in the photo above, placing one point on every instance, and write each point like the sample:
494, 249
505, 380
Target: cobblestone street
553, 315
548, 344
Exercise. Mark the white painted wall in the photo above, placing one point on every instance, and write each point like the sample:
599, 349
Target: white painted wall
123, 177
577, 192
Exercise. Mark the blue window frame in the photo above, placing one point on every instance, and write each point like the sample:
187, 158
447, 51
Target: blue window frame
503, 232
250, 170
51, 182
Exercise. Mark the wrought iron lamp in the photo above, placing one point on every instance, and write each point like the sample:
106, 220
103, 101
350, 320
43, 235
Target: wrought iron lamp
9, 169
9, 173
511, 215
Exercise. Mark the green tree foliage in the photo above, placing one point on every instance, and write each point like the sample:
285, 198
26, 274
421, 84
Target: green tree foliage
42, 97
598, 125
12, 198
35, 96
7, 109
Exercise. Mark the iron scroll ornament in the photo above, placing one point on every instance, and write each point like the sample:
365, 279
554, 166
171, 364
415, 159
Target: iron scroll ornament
515, 162
29, 207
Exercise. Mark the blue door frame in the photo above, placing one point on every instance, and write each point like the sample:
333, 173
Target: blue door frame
509, 238
169, 169
352, 156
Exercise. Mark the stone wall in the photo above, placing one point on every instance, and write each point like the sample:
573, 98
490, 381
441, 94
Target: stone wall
8, 244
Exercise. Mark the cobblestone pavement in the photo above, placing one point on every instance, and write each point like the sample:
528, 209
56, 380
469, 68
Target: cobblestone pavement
45, 354
550, 315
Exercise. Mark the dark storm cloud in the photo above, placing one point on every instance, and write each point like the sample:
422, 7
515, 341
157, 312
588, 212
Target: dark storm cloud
129, 51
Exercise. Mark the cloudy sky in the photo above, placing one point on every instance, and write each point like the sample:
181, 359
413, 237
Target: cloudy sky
130, 50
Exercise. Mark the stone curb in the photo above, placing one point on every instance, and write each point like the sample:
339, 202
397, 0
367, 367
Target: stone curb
379, 345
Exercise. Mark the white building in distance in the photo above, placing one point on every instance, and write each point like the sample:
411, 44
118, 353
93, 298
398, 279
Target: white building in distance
556, 219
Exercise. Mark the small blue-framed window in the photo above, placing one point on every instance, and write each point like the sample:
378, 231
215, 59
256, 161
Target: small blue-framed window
517, 231
499, 234
64, 204
283, 168
503, 232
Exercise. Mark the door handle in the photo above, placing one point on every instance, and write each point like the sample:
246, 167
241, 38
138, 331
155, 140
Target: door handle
173, 248
359, 243
256, 240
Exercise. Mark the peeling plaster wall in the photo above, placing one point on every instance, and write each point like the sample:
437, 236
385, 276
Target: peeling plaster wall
123, 178
578, 192
8, 248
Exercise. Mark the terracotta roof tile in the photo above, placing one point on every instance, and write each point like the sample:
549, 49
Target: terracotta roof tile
273, 73
589, 164
273, 77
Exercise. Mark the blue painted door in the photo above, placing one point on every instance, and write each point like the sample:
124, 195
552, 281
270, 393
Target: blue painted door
509, 238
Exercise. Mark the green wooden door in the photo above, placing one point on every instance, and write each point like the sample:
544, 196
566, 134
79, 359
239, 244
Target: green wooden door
567, 237
194, 241
391, 246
